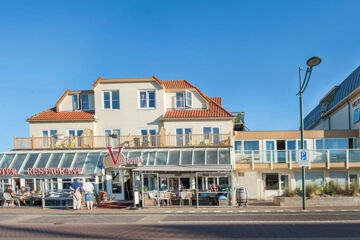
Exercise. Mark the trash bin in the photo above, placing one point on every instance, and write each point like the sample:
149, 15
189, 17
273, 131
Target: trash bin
242, 196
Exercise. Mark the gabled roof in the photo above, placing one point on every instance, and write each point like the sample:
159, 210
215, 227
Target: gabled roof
53, 115
214, 109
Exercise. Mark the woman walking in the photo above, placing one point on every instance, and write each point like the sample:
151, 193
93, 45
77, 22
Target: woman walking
88, 188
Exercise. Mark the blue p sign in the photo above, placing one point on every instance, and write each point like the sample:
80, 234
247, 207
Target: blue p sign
303, 156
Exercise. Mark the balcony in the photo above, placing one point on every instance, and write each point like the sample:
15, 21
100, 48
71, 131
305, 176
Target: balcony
329, 158
128, 141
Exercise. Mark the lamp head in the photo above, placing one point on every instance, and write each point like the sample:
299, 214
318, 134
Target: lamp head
314, 61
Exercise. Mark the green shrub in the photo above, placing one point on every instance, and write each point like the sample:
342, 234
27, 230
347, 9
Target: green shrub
312, 190
354, 189
289, 193
333, 188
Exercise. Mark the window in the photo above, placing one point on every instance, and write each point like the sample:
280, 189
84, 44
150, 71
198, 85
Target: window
112, 99
334, 143
183, 99
112, 137
271, 181
180, 103
75, 133
75, 100
237, 146
148, 137
356, 115
182, 140
211, 135
147, 99
80, 102
85, 102
188, 99
47, 135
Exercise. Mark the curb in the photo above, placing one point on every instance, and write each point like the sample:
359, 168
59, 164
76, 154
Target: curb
179, 212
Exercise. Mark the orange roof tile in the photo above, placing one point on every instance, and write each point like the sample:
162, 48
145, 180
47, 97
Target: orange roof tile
51, 114
171, 84
215, 108
218, 100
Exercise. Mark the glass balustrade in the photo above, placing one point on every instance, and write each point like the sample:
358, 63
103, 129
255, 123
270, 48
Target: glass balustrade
316, 156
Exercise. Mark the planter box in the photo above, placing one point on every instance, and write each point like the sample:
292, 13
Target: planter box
317, 201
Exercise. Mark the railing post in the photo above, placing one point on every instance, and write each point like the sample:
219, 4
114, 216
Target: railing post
32, 142
290, 160
328, 158
93, 140
271, 160
347, 159
14, 142
252, 160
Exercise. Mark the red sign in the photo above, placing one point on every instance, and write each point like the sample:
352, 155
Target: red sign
120, 159
54, 171
43, 171
8, 171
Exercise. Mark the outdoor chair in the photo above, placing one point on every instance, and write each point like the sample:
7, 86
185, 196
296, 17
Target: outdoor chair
9, 200
164, 197
183, 197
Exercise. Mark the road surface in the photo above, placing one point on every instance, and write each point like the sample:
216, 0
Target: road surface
320, 225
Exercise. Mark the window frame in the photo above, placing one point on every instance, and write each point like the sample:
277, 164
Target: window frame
111, 100
147, 98
82, 102
187, 102
184, 141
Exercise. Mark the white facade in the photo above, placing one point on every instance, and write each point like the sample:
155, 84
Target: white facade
127, 117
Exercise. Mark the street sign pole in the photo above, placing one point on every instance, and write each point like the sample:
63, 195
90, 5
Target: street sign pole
302, 145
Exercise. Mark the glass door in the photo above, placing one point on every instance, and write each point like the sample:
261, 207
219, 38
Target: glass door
117, 185
281, 151
270, 154
284, 183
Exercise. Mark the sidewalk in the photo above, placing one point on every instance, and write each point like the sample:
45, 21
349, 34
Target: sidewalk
253, 207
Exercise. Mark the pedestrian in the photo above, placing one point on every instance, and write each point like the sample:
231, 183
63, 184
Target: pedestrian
88, 188
75, 188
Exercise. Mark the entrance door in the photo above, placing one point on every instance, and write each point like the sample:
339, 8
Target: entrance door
117, 185
128, 185
270, 154
281, 151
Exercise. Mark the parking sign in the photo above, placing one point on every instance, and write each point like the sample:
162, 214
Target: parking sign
303, 158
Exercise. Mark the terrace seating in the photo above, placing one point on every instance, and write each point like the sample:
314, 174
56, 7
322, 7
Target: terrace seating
9, 200
185, 196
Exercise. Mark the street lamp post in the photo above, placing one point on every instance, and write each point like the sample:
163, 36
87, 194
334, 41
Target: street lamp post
312, 62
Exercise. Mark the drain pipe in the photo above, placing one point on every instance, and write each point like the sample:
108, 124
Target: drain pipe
349, 115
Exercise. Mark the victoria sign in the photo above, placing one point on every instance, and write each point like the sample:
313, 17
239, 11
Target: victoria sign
111, 161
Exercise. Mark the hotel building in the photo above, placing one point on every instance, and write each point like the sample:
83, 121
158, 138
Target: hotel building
173, 139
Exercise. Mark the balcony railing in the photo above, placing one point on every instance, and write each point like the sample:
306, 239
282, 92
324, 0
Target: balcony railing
128, 141
327, 156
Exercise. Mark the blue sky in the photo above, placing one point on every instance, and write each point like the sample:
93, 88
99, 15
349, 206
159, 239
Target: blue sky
247, 52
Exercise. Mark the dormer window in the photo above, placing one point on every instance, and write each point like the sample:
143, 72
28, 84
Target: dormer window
80, 102
84, 102
183, 99
75, 101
